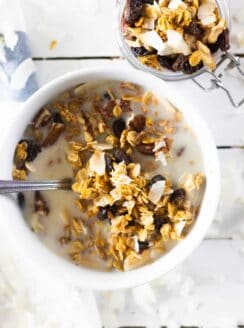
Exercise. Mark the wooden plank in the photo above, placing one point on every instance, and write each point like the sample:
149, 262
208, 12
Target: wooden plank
205, 291
229, 220
225, 122
81, 27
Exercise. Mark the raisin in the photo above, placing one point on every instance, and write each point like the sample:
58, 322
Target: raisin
141, 51
180, 151
108, 163
146, 149
138, 123
133, 11
21, 199
224, 40
166, 61
178, 63
105, 213
118, 127
195, 29
178, 197
106, 96
182, 64
159, 221
121, 156
155, 179
188, 69
32, 149
57, 118
143, 245
213, 47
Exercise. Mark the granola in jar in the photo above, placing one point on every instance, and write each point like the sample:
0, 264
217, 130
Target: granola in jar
176, 35
137, 171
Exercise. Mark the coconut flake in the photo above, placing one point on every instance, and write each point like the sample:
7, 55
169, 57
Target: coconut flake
152, 39
156, 191
206, 13
97, 162
103, 201
177, 43
175, 4
147, 219
30, 167
116, 194
129, 118
178, 227
129, 204
133, 43
135, 171
22, 74
136, 244
102, 146
187, 182
159, 144
160, 157
148, 23
119, 175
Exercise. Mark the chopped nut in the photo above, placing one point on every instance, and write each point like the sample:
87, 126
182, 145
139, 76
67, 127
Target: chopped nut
40, 205
42, 118
53, 134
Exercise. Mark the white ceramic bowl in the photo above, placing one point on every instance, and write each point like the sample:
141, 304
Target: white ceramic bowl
41, 257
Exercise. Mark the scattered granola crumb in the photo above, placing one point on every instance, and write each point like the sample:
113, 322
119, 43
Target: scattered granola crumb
53, 44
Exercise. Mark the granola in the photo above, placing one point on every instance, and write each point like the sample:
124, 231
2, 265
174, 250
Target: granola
178, 35
134, 192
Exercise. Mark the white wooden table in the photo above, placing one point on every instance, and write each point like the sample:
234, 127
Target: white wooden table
208, 289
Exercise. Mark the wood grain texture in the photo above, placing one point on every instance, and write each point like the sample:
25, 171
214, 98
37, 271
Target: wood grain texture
81, 27
206, 291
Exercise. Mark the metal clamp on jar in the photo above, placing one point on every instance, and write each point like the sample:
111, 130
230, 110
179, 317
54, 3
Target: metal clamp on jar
224, 60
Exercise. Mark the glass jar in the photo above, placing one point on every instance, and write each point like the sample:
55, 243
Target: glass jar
164, 73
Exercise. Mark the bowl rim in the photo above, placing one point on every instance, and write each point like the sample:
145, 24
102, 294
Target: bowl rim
32, 247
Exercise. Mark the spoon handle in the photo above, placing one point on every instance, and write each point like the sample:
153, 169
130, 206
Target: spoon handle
13, 186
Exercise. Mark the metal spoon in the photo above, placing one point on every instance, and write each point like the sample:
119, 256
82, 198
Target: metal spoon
13, 186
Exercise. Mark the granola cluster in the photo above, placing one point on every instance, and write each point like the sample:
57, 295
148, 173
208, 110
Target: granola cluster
179, 35
118, 149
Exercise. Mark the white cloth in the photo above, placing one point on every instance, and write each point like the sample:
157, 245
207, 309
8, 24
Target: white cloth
29, 299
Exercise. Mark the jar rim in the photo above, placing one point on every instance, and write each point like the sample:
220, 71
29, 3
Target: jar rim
165, 75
